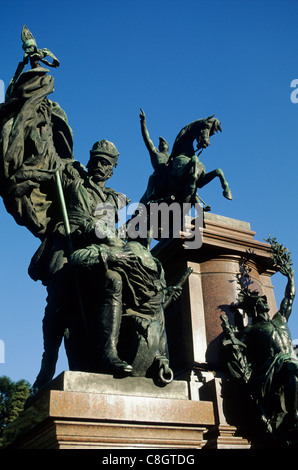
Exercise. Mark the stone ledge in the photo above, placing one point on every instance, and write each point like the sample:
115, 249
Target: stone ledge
76, 405
223, 220
71, 381
92, 419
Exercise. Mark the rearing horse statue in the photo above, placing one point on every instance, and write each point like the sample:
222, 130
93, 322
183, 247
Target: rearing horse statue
180, 174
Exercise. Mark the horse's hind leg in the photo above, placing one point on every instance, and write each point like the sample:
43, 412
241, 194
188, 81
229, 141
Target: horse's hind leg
224, 184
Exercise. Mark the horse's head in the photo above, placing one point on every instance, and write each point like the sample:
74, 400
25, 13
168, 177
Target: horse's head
205, 128
199, 130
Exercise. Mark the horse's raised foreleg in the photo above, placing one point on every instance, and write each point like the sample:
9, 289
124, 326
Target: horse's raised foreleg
205, 179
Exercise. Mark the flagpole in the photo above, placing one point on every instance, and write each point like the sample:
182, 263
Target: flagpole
69, 241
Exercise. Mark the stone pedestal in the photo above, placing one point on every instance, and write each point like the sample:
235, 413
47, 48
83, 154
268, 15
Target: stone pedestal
223, 435
93, 411
193, 322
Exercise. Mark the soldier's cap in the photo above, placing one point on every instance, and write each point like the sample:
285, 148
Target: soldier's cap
106, 149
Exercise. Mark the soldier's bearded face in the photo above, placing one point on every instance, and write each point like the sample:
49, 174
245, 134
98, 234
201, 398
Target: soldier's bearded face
100, 169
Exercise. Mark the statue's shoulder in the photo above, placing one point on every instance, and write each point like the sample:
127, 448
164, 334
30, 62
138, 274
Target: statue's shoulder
279, 319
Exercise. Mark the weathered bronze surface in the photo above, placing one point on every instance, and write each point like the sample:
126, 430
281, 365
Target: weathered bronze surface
106, 296
178, 175
261, 355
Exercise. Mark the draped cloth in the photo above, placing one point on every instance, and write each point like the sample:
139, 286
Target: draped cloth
35, 139
36, 142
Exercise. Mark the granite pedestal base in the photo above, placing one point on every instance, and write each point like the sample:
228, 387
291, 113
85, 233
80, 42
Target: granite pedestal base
93, 411
193, 322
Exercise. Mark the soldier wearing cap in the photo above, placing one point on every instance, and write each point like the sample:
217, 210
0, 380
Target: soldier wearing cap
83, 190
103, 158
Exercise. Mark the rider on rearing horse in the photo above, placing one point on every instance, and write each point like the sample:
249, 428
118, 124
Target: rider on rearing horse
182, 172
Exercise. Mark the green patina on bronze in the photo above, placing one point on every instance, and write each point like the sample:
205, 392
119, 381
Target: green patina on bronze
261, 354
106, 296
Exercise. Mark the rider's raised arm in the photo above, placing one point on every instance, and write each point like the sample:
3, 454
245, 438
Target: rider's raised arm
287, 302
148, 142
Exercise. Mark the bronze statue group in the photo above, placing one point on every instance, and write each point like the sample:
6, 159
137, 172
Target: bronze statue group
107, 295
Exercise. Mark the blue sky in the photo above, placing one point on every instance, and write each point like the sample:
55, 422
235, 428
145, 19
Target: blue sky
179, 61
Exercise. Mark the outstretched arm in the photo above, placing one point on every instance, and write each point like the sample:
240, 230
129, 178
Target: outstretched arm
287, 302
282, 260
148, 142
